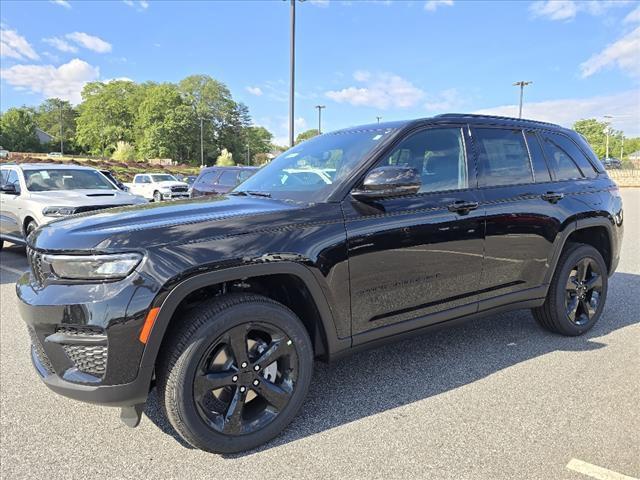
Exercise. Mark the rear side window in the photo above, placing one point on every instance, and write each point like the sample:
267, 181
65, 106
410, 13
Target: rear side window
540, 170
571, 149
502, 157
228, 178
244, 174
560, 161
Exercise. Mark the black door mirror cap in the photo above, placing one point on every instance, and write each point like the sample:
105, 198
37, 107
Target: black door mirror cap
389, 181
9, 189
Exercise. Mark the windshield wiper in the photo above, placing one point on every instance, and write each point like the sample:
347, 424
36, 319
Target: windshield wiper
254, 193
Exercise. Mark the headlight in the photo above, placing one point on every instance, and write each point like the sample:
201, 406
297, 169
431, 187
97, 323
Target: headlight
92, 267
58, 211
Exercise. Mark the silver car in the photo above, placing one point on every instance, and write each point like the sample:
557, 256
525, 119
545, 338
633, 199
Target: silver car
34, 194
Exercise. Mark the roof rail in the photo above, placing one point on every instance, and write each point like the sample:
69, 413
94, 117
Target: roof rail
497, 117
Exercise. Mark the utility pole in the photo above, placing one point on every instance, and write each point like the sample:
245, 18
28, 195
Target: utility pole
292, 67
379, 118
201, 143
61, 129
521, 84
320, 107
607, 131
622, 148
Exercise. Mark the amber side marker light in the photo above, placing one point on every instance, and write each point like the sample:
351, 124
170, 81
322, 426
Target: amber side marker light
148, 324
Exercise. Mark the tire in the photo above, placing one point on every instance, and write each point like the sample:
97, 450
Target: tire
572, 307
31, 226
210, 328
157, 197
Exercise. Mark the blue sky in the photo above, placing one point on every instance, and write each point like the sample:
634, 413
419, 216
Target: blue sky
361, 59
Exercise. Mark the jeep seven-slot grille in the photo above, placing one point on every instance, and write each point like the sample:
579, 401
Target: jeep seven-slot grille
35, 263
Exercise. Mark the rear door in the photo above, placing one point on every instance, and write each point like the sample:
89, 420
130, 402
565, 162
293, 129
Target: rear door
523, 217
205, 183
416, 259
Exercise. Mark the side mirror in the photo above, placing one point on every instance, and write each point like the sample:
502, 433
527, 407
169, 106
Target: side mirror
9, 189
390, 181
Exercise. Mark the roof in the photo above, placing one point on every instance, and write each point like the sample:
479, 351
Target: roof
454, 117
235, 167
39, 166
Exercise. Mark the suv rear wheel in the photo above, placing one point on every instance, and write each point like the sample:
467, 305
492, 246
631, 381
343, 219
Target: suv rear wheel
577, 292
235, 372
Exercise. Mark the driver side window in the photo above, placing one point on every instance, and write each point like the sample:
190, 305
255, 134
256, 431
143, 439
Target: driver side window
437, 155
10, 177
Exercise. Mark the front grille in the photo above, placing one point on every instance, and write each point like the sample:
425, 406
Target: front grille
179, 189
35, 263
90, 359
39, 351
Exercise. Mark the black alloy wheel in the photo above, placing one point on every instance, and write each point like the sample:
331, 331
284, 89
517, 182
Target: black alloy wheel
245, 378
584, 289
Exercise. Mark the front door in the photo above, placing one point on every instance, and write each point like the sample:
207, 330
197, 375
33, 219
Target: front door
9, 210
414, 258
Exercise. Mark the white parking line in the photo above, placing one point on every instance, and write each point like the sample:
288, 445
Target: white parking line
595, 471
15, 271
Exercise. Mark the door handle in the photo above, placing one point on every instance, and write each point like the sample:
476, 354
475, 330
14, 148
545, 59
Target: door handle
462, 207
552, 197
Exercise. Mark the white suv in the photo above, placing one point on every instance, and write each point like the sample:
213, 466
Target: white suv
34, 194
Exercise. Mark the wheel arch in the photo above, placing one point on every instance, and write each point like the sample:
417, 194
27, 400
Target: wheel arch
169, 305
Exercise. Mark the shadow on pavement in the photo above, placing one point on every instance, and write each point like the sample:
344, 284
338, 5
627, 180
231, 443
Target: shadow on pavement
13, 258
398, 374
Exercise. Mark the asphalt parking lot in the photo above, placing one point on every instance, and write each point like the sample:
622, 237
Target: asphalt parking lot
495, 398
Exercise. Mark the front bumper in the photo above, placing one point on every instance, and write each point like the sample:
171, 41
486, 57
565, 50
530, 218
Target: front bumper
85, 338
174, 195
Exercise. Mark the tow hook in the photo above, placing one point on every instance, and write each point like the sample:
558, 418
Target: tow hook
131, 415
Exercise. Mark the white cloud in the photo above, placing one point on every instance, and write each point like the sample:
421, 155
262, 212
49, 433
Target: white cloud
117, 79
14, 45
257, 91
623, 53
624, 107
62, 3
361, 75
568, 9
320, 3
60, 44
140, 5
633, 16
89, 42
432, 5
65, 81
447, 100
380, 91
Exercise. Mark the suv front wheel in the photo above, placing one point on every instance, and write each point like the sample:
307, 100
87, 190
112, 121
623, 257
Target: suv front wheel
235, 372
577, 292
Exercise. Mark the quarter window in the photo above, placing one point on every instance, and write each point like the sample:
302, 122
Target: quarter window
228, 178
438, 156
207, 178
565, 156
540, 169
502, 157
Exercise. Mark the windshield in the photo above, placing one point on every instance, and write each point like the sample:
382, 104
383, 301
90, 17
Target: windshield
163, 178
311, 170
65, 179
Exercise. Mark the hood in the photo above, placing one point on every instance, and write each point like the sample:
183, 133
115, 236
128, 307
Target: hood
154, 224
171, 183
74, 198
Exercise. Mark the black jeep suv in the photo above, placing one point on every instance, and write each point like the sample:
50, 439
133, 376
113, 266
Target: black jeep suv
347, 240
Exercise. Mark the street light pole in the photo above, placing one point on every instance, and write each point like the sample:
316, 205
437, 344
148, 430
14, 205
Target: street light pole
521, 84
320, 107
607, 131
201, 143
61, 130
292, 72
379, 118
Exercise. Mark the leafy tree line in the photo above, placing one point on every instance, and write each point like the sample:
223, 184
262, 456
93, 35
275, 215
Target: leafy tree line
595, 133
127, 121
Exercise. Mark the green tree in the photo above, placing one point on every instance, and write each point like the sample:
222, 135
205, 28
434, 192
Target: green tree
259, 142
51, 115
594, 132
107, 115
225, 159
18, 130
165, 127
307, 135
